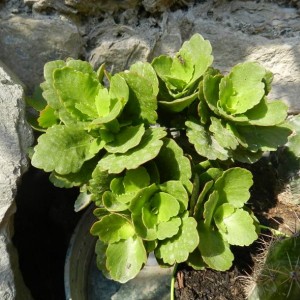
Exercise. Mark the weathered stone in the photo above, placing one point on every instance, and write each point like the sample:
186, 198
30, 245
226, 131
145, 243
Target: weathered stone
119, 46
16, 137
27, 44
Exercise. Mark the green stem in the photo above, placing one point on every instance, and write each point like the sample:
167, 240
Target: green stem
172, 291
274, 231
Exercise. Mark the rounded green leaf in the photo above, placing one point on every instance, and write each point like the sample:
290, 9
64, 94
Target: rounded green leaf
147, 149
127, 138
113, 228
243, 88
236, 225
177, 248
134, 180
168, 229
233, 186
77, 91
62, 149
125, 258
205, 143
214, 249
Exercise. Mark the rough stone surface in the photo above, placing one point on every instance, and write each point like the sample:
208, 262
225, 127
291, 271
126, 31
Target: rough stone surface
28, 43
16, 137
119, 46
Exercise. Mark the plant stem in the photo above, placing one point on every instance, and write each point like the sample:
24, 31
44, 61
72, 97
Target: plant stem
172, 291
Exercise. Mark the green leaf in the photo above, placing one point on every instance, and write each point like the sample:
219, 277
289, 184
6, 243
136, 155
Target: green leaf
81, 66
111, 203
147, 149
205, 144
77, 91
127, 138
166, 205
172, 164
142, 103
210, 207
125, 258
62, 149
223, 134
267, 114
49, 92
236, 225
141, 198
47, 117
243, 88
177, 248
178, 105
195, 260
233, 186
168, 229
267, 138
198, 210
214, 250
146, 70
178, 191
113, 228
211, 82
147, 234
82, 201
134, 180
100, 251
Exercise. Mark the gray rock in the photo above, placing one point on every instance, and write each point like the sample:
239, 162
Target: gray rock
28, 43
16, 137
119, 46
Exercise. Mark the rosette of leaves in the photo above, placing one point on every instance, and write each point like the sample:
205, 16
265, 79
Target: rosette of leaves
234, 118
223, 220
179, 75
88, 125
140, 215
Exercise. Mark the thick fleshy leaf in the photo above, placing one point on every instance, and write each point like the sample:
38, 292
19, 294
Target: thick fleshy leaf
81, 66
210, 207
178, 248
168, 229
62, 149
214, 250
147, 149
111, 203
211, 83
125, 258
49, 92
134, 180
142, 103
223, 134
200, 51
267, 138
47, 117
243, 88
113, 228
100, 251
82, 201
233, 186
77, 91
205, 144
178, 191
146, 70
236, 225
178, 105
172, 164
127, 138
267, 114
141, 198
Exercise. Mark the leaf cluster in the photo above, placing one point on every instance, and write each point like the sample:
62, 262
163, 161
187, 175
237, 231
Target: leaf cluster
132, 143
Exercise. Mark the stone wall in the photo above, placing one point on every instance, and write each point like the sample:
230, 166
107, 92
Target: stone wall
120, 33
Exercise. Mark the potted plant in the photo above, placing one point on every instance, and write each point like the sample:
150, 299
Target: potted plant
159, 149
